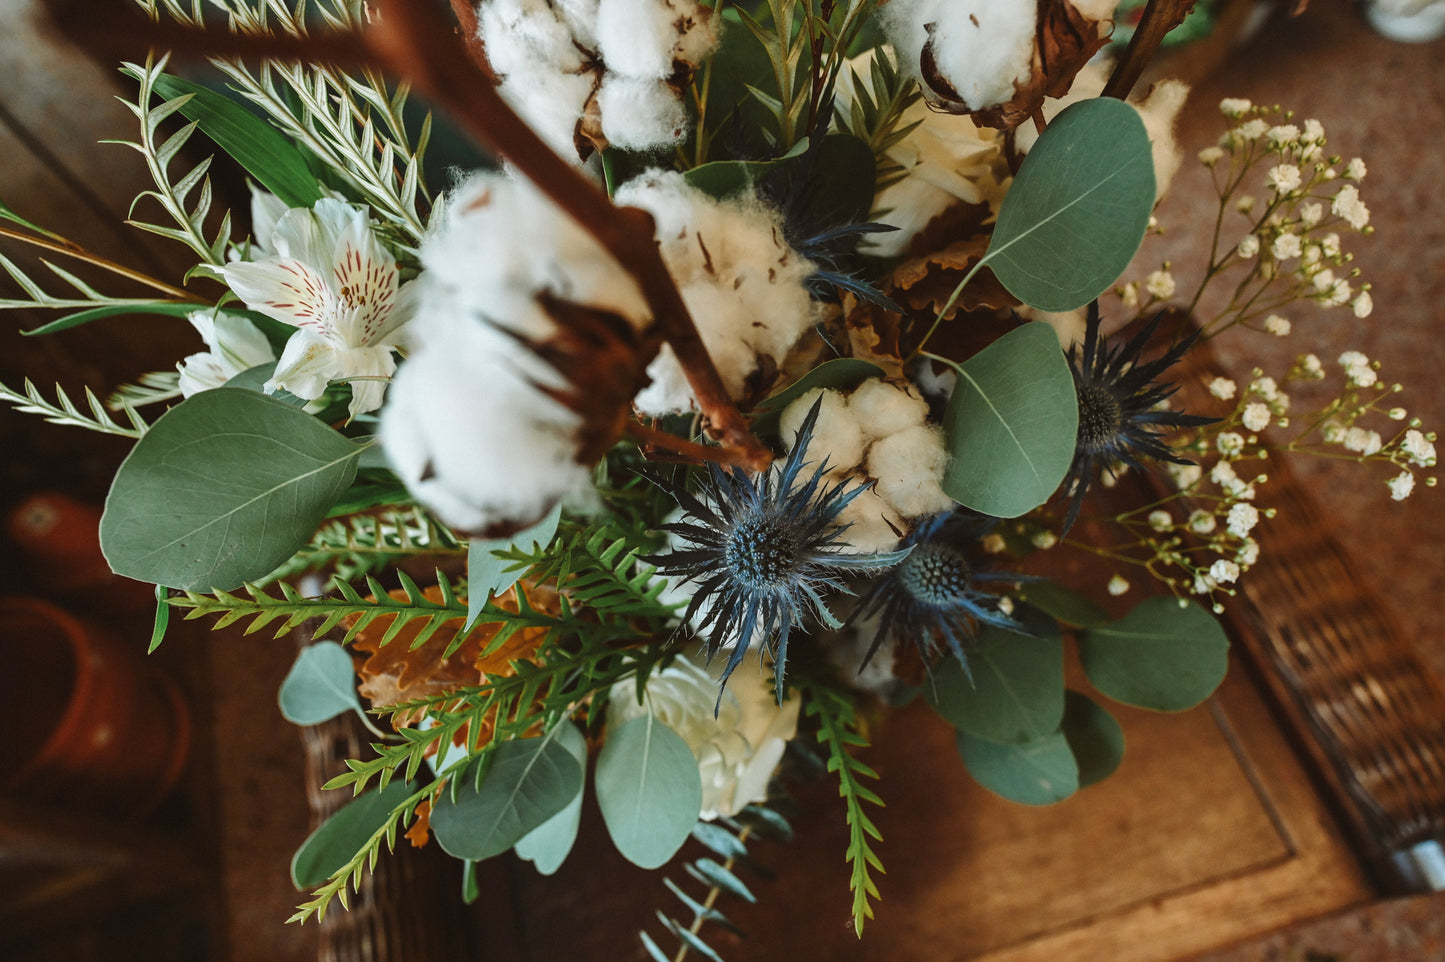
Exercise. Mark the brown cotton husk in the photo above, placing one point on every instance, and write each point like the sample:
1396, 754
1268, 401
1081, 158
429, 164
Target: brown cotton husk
1064, 41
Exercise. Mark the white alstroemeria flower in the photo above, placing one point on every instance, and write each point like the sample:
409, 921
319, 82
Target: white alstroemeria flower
234, 345
737, 748
327, 275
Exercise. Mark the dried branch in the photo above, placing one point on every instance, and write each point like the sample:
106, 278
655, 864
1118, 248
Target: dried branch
1159, 17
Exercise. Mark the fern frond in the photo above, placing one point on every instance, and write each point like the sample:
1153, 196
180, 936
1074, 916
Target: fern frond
841, 732
365, 545
150, 388
174, 196
65, 411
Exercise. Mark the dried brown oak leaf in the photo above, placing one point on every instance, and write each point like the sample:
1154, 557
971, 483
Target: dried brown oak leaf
396, 671
1064, 40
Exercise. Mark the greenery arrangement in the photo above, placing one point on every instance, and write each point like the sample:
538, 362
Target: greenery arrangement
691, 431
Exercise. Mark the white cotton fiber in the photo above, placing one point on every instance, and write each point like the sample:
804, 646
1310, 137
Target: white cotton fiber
883, 408
981, 47
872, 523
835, 434
909, 466
743, 285
525, 35
642, 38
640, 113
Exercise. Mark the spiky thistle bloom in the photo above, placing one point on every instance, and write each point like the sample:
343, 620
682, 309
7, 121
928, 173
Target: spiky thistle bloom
762, 552
939, 593
1122, 418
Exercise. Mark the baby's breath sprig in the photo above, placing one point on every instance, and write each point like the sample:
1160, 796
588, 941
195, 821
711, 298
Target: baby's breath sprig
1292, 250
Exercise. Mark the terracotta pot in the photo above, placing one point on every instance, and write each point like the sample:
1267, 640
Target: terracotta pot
95, 724
60, 538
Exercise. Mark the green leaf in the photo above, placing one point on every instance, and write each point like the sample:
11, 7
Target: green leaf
1094, 737
1039, 772
1016, 694
337, 840
547, 845
842, 373
528, 782
722, 179
649, 790
9, 214
320, 685
255, 378
1078, 208
164, 308
163, 618
252, 142
1011, 424
485, 571
1067, 606
1168, 654
222, 489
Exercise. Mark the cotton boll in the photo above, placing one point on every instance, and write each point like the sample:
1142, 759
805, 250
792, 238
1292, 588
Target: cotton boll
883, 408
527, 34
642, 38
979, 47
640, 113
909, 465
500, 241
551, 103
835, 434
472, 440
1095, 9
746, 290
872, 524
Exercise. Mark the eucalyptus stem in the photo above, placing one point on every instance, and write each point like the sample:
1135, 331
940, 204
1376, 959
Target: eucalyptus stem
712, 897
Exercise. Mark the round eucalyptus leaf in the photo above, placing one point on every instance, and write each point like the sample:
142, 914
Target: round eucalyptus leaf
1094, 737
1039, 772
649, 790
1168, 654
1067, 606
547, 845
1012, 424
1078, 208
337, 840
529, 781
1016, 692
221, 490
320, 685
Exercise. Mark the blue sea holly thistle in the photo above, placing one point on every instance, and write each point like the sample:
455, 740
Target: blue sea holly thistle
940, 593
1122, 415
762, 551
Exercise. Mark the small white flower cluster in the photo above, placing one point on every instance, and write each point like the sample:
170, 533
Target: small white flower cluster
737, 746
1290, 239
744, 286
561, 60
880, 431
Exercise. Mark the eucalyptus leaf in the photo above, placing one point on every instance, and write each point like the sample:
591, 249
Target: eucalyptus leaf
255, 378
1012, 424
1039, 772
1168, 654
252, 142
485, 571
224, 487
1067, 606
1016, 693
164, 308
722, 179
1094, 736
1078, 208
649, 790
528, 782
320, 685
547, 845
337, 840
842, 373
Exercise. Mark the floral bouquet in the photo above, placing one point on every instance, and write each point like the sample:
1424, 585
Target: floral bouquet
750, 381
